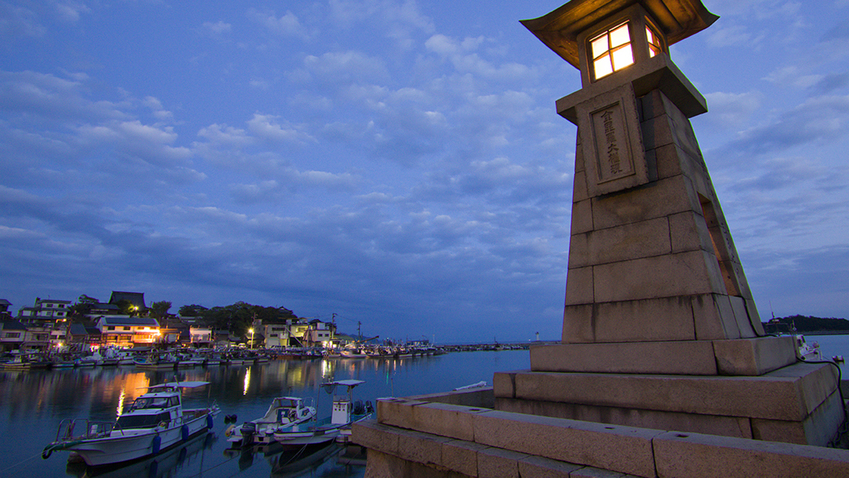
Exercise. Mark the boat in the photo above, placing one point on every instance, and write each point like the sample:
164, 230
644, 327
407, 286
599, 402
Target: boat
15, 363
155, 361
284, 413
336, 427
155, 422
808, 352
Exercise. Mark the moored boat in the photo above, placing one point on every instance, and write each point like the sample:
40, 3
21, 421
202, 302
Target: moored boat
156, 361
156, 421
336, 427
284, 413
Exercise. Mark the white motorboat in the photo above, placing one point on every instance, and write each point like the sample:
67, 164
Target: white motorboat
154, 422
283, 414
337, 426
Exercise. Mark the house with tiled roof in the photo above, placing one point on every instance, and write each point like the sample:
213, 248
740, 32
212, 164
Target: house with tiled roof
125, 331
135, 298
45, 312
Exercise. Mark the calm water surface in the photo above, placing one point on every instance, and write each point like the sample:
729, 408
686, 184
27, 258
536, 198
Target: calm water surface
33, 403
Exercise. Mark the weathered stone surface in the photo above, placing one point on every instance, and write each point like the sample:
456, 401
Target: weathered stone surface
582, 217
661, 420
661, 198
499, 463
660, 319
630, 241
754, 356
538, 467
714, 317
695, 455
396, 411
579, 286
635, 357
461, 456
623, 449
790, 393
673, 275
503, 384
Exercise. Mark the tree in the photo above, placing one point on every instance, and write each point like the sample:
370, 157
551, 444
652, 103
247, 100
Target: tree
193, 310
159, 310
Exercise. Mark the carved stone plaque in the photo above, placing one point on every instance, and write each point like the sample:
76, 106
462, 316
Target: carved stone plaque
612, 142
613, 149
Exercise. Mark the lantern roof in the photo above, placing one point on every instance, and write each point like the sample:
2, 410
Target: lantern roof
559, 29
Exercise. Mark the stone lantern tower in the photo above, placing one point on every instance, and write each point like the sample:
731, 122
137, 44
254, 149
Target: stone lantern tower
660, 329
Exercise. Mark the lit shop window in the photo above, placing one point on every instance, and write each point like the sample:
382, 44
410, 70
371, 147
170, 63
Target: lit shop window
611, 51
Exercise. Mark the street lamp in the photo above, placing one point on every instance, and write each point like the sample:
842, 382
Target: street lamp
251, 330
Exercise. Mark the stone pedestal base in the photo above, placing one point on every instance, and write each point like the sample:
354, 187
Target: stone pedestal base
799, 403
686, 357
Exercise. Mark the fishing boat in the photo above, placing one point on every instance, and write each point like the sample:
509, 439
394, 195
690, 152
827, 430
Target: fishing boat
336, 427
284, 413
156, 421
15, 363
155, 361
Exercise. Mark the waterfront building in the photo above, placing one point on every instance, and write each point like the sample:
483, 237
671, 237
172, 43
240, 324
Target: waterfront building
45, 311
125, 331
12, 334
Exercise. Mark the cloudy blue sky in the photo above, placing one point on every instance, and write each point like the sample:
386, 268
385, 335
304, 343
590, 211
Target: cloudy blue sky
396, 162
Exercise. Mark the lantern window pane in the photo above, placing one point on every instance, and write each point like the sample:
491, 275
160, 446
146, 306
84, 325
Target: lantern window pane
655, 45
622, 57
600, 46
611, 51
602, 66
620, 36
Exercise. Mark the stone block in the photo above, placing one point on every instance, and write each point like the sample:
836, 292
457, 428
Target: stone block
790, 393
660, 319
503, 384
579, 253
477, 397
578, 324
461, 456
590, 472
582, 216
688, 232
819, 429
669, 162
622, 449
754, 356
629, 241
579, 186
498, 463
714, 317
673, 275
657, 132
634, 357
651, 105
374, 436
396, 411
446, 420
695, 455
579, 286
659, 199
654, 419
741, 315
538, 467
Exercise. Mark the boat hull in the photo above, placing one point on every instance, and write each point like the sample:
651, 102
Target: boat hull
121, 446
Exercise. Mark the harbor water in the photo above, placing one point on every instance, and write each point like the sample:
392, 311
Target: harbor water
34, 402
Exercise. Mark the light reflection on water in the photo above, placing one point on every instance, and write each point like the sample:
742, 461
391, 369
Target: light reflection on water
33, 403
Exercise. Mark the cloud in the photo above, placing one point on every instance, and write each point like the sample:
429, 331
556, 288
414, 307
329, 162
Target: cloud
285, 25
217, 29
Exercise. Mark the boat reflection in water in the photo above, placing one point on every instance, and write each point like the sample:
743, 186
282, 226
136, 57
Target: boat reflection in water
164, 464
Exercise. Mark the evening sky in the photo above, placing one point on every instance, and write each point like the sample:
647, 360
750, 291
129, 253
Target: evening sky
396, 162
